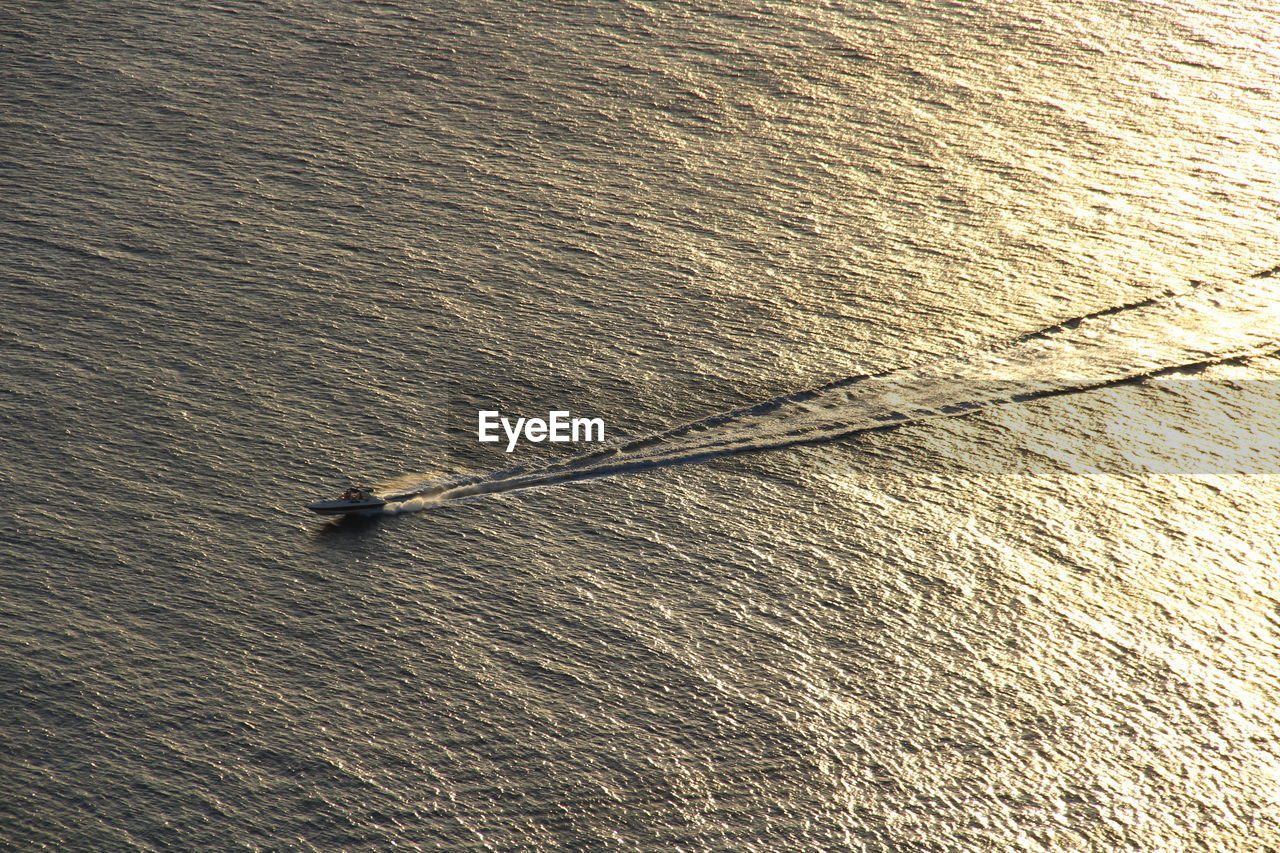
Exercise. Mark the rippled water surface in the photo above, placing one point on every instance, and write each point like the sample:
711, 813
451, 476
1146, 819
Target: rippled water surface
997, 594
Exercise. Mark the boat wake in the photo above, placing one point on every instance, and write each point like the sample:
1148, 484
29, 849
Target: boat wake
1205, 325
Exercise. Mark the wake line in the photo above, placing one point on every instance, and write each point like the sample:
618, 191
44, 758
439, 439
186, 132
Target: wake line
1127, 343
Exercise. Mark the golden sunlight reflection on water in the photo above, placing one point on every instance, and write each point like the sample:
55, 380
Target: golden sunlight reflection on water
279, 243
1125, 664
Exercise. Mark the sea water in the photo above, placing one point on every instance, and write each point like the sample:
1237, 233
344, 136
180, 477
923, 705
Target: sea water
255, 249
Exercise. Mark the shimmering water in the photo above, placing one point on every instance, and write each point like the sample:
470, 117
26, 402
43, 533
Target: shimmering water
252, 249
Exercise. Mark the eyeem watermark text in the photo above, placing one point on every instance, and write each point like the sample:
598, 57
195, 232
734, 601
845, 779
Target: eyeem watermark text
557, 426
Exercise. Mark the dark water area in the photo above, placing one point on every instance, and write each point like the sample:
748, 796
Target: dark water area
252, 250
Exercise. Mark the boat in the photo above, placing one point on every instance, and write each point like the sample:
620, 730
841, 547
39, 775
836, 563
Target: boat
357, 500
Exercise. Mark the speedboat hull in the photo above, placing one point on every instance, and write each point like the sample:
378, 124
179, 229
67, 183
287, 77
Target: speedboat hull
368, 506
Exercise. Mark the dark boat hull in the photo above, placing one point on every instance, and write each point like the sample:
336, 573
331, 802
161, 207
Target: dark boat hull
342, 507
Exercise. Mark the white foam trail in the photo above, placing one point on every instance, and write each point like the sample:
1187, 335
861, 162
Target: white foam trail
411, 505
1208, 324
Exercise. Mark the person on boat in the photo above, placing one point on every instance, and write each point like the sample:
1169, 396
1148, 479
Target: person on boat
358, 493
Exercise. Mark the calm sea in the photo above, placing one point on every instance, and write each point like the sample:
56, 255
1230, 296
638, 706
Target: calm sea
254, 250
